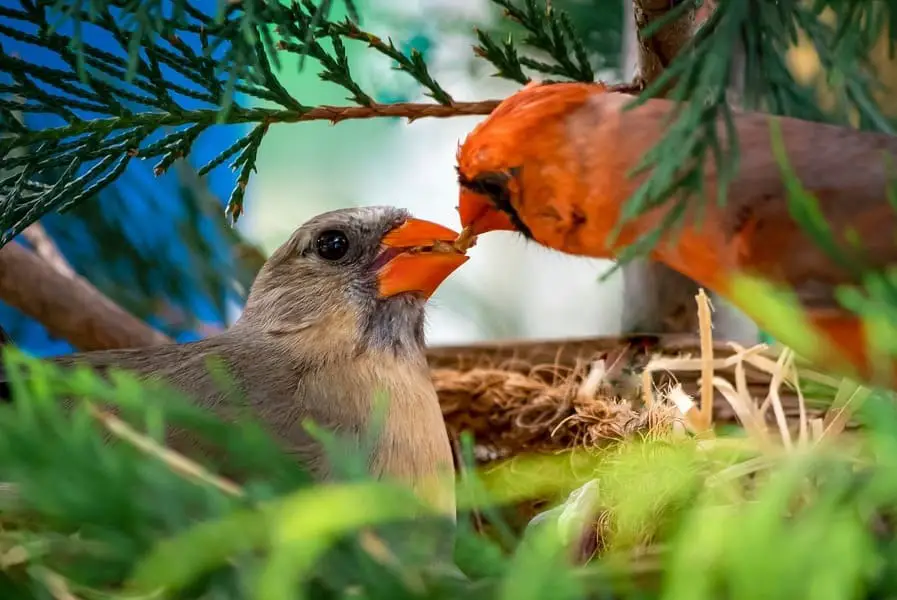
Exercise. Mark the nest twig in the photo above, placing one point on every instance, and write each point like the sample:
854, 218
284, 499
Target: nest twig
546, 408
552, 396
515, 399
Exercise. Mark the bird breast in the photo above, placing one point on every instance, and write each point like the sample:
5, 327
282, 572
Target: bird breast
413, 446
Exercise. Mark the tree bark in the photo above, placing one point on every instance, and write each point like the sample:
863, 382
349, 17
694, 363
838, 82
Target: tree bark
68, 305
657, 299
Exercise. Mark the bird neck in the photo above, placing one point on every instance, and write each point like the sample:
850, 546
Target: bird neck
394, 326
413, 446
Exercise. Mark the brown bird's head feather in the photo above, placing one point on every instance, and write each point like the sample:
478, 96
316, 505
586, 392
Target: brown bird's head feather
348, 275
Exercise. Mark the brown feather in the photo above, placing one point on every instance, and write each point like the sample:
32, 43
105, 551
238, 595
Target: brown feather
315, 342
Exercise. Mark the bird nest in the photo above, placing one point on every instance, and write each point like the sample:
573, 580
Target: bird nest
510, 408
553, 396
538, 398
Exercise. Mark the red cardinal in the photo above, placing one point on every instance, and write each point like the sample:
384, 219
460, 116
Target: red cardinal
553, 162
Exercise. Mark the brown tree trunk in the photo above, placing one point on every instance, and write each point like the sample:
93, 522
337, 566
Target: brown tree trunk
657, 299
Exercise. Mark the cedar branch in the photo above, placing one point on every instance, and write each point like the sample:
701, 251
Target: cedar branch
44, 247
658, 51
203, 117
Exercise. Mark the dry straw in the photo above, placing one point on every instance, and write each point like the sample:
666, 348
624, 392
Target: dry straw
513, 406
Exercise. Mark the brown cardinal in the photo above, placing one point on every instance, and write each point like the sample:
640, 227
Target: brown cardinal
334, 318
554, 163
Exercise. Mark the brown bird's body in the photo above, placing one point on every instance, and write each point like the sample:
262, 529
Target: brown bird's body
554, 163
333, 321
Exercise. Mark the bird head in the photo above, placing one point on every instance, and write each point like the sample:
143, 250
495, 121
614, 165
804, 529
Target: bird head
520, 137
362, 274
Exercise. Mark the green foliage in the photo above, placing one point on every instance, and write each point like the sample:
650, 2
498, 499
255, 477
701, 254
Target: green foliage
555, 47
547, 30
703, 129
114, 106
100, 516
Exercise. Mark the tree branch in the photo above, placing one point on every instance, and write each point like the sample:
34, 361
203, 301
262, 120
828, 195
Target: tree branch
658, 51
44, 247
657, 299
68, 305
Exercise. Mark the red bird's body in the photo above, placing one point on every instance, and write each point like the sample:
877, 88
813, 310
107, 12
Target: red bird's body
554, 162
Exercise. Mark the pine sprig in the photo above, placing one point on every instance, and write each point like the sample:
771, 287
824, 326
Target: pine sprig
245, 162
321, 13
111, 105
335, 66
702, 127
548, 30
413, 64
503, 56
147, 22
135, 94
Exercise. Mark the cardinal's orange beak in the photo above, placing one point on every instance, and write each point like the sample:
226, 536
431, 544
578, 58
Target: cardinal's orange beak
417, 258
479, 215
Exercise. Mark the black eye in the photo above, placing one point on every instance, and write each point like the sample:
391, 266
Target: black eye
493, 185
493, 189
332, 245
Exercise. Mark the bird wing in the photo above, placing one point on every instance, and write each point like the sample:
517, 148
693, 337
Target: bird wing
846, 171
148, 361
280, 388
263, 380
771, 243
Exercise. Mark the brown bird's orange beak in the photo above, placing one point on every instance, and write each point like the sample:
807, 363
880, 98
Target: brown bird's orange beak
479, 215
418, 256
